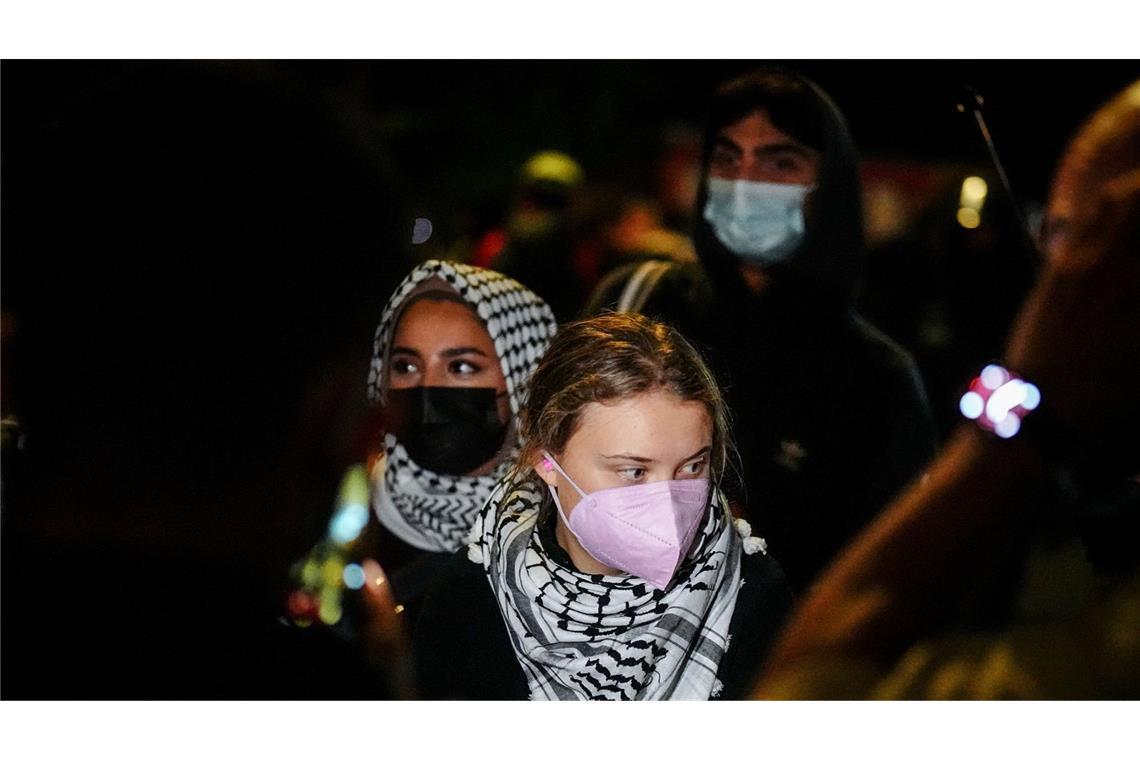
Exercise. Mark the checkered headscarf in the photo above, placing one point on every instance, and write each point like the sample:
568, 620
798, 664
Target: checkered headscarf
434, 511
520, 323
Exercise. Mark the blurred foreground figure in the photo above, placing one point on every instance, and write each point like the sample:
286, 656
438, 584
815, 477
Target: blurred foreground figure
892, 617
157, 474
829, 414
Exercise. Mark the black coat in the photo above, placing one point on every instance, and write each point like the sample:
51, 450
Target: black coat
832, 421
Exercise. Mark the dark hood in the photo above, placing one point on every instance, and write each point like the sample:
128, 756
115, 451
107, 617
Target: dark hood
822, 274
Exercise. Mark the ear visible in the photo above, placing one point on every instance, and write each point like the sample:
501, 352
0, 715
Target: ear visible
546, 471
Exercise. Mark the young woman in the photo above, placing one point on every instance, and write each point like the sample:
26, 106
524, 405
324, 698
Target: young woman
450, 363
451, 358
606, 565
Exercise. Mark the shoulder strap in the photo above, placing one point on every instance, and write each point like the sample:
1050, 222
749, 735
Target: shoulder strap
641, 284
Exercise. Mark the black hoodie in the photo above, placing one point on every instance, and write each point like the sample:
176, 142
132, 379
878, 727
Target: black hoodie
829, 415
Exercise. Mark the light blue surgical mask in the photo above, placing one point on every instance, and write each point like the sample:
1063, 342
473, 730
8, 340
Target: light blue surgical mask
762, 222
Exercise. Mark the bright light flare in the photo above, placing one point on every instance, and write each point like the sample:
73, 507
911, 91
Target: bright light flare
1008, 426
993, 377
348, 522
972, 405
974, 190
969, 218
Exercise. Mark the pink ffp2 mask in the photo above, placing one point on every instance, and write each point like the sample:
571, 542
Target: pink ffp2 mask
644, 530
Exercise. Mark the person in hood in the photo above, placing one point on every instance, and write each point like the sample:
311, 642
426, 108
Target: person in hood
607, 565
831, 415
451, 359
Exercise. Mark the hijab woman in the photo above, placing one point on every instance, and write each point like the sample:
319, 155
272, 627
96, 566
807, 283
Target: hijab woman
451, 358
450, 363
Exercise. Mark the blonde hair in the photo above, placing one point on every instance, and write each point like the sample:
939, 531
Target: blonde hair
609, 358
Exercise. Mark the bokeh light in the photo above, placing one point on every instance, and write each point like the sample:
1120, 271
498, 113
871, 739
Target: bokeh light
1008, 426
972, 405
330, 611
1003, 399
311, 573
353, 576
969, 218
332, 571
974, 191
993, 377
348, 522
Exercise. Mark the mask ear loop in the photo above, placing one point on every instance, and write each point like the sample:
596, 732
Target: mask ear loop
549, 463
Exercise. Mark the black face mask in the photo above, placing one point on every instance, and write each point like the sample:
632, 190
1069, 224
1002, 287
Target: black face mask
447, 430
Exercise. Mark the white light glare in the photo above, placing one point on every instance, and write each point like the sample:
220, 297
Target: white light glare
1008, 426
993, 376
1004, 399
1032, 397
348, 523
972, 405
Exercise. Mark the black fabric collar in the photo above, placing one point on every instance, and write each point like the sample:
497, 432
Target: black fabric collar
547, 520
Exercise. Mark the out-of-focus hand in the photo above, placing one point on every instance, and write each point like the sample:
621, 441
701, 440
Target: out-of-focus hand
1078, 334
383, 635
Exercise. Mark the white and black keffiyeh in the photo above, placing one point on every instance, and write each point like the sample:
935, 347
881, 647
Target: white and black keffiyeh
428, 510
434, 511
580, 636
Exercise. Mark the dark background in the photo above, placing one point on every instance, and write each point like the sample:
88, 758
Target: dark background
194, 256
